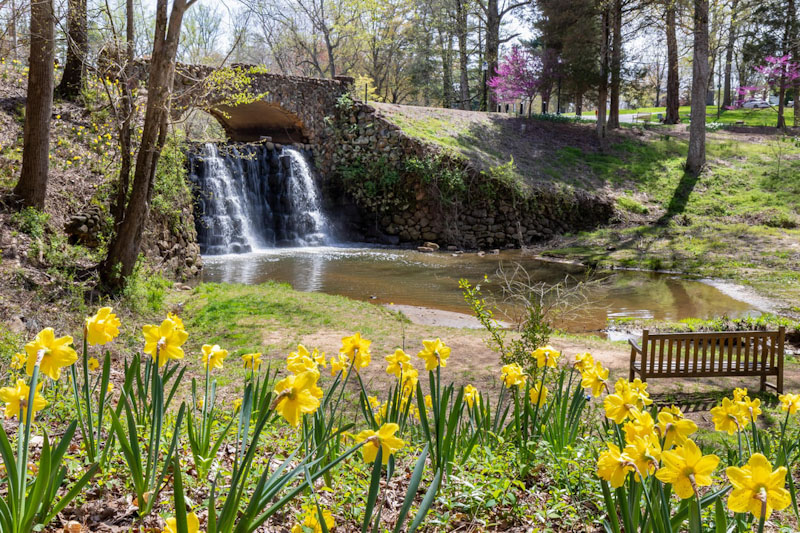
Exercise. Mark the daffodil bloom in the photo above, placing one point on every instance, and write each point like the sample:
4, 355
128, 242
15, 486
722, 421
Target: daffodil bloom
686, 468
110, 388
428, 402
178, 322
790, 402
583, 362
641, 424
16, 400
164, 341
750, 409
622, 403
102, 328
311, 521
56, 353
434, 354
470, 395
298, 363
213, 356
546, 356
727, 417
538, 394
757, 489
595, 379
319, 358
513, 375
295, 396
357, 351
396, 361
382, 439
93, 364
200, 403
645, 453
673, 410
374, 402
237, 404
613, 466
739, 394
18, 361
674, 430
192, 524
252, 360
339, 363
638, 386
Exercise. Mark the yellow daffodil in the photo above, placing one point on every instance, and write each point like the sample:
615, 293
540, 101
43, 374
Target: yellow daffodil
374, 402
252, 360
727, 417
618, 406
110, 388
583, 362
595, 379
295, 396
757, 489
641, 424
164, 341
192, 523
613, 466
384, 438
237, 404
674, 430
410, 378
673, 410
319, 358
470, 395
546, 356
93, 364
16, 400
396, 361
434, 354
178, 322
428, 402
513, 375
339, 363
739, 394
56, 353
686, 468
102, 328
644, 453
538, 394
357, 351
790, 402
750, 409
299, 362
18, 361
213, 356
311, 521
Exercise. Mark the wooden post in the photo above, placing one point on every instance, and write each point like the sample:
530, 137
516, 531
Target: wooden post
645, 333
781, 341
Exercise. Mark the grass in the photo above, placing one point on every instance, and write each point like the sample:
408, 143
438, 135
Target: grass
749, 117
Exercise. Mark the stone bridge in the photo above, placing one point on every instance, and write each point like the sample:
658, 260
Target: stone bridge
290, 109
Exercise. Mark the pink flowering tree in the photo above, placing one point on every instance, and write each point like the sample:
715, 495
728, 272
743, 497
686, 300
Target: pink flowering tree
780, 74
517, 77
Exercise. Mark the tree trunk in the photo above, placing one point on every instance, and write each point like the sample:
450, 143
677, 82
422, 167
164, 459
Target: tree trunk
123, 250
12, 29
77, 42
492, 45
446, 44
125, 133
31, 190
672, 115
726, 94
616, 66
579, 104
602, 90
697, 128
794, 41
463, 55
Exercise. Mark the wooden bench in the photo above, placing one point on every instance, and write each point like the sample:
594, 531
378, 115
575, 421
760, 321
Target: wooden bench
697, 355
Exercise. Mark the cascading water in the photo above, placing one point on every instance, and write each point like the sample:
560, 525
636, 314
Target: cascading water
250, 197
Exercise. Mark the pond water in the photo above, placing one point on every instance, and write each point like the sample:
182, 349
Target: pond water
406, 277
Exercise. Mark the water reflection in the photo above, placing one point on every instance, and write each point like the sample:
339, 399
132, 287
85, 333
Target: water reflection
431, 280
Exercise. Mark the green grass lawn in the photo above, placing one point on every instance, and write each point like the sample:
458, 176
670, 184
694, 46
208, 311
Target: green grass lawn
750, 117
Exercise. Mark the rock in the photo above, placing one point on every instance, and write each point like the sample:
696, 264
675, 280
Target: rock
495, 251
432, 245
452, 248
481, 253
425, 249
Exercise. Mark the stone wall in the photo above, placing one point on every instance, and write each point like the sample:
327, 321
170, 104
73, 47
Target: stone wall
404, 190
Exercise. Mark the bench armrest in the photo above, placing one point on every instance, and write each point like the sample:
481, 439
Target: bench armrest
635, 345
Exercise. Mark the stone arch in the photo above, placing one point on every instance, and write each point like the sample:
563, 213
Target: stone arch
260, 120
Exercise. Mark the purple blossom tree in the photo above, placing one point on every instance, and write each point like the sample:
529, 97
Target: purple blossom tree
518, 77
780, 73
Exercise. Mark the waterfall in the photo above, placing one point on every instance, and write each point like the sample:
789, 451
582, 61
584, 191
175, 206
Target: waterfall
251, 197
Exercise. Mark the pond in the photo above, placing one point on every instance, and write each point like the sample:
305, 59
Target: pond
408, 277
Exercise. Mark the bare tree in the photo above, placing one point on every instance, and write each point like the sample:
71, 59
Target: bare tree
77, 42
672, 115
696, 159
616, 65
31, 190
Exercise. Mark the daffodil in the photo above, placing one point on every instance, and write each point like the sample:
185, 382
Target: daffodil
93, 364
319, 358
757, 489
674, 430
645, 453
750, 409
192, 523
546, 356
311, 521
434, 354
16, 400
396, 361
513, 375
18, 361
641, 424
252, 360
583, 362
613, 466
686, 468
178, 322
673, 410
428, 402
382, 439
595, 379
339, 363
357, 351
470, 395
110, 388
739, 394
295, 396
727, 417
164, 341
213, 356
102, 328
410, 377
790, 402
623, 402
300, 361
237, 404
538, 394
56, 353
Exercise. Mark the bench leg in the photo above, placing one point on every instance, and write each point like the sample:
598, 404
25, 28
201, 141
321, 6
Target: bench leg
763, 387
